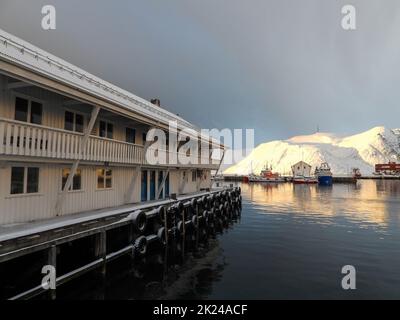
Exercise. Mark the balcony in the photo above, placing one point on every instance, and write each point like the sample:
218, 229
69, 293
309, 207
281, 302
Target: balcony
21, 139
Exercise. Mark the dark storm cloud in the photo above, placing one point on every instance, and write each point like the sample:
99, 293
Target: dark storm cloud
282, 67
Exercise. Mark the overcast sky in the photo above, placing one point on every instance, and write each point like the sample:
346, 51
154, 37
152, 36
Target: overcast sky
282, 67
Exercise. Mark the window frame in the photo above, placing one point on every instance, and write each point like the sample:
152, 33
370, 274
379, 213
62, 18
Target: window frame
25, 181
126, 135
104, 188
144, 138
29, 111
72, 186
75, 113
107, 122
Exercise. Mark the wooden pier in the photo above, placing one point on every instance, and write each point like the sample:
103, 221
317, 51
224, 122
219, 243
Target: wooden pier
78, 244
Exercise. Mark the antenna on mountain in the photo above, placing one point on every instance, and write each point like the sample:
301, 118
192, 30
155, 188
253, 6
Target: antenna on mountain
317, 128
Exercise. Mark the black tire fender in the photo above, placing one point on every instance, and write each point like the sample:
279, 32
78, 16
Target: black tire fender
139, 220
140, 246
162, 236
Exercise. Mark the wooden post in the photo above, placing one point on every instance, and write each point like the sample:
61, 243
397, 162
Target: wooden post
101, 250
132, 184
220, 163
183, 182
165, 282
52, 261
162, 185
197, 225
166, 227
184, 234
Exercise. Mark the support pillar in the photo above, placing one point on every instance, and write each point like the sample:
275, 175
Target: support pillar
52, 261
101, 250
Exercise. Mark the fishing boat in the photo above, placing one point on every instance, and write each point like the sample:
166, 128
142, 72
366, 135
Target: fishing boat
304, 180
356, 173
266, 175
324, 175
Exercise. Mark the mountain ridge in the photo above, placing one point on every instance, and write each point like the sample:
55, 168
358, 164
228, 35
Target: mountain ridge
362, 150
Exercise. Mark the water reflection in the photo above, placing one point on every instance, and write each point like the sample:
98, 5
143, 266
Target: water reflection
186, 268
368, 201
291, 243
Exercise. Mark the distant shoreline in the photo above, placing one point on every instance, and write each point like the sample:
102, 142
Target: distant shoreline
337, 178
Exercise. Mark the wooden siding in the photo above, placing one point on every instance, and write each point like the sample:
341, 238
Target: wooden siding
33, 207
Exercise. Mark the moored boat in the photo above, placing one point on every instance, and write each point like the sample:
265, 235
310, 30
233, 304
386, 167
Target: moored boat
304, 180
324, 175
266, 175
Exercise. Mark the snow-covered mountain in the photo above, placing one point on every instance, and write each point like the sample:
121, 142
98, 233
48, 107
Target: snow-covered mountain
363, 151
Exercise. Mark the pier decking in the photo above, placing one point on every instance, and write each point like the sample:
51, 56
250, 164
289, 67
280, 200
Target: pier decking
111, 233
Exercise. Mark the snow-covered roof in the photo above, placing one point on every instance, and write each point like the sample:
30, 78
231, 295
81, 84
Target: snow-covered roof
26, 55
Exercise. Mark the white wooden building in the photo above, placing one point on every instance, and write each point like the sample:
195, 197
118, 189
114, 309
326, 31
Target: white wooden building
56, 119
301, 169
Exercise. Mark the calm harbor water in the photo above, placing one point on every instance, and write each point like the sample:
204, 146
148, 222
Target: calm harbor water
290, 243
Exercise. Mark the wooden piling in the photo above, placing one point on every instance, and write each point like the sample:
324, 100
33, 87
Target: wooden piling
101, 250
52, 261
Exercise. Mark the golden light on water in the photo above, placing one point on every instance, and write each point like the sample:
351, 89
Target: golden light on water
367, 201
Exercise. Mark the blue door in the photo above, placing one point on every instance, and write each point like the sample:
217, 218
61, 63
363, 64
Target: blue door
167, 186
144, 186
160, 180
152, 185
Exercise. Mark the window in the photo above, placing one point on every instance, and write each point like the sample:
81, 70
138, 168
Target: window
28, 111
21, 109
152, 185
160, 180
76, 182
106, 129
144, 186
130, 135
73, 121
104, 179
24, 180
167, 186
32, 180
194, 176
36, 112
144, 137
17, 180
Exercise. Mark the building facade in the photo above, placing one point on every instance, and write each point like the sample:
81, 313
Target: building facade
301, 169
71, 142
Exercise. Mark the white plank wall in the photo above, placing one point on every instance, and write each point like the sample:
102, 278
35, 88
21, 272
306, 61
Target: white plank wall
25, 208
50, 141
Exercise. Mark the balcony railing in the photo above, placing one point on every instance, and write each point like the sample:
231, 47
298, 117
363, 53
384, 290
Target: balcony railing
25, 139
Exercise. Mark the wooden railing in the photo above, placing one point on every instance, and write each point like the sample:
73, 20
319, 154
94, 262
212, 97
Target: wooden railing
25, 139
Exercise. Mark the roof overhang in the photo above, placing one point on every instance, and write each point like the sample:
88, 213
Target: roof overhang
23, 61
